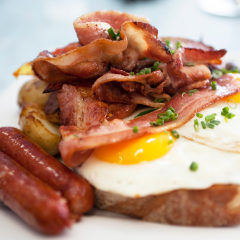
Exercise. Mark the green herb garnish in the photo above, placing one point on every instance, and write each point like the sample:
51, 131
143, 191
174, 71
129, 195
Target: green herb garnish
214, 85
113, 35
193, 167
146, 112
196, 125
175, 134
135, 129
192, 91
160, 100
203, 125
155, 66
189, 64
178, 44
168, 43
170, 114
216, 73
210, 117
225, 112
199, 115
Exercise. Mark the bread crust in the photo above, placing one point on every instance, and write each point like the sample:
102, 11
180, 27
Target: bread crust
218, 205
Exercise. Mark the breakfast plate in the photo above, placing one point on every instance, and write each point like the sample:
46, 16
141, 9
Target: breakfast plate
97, 224
118, 67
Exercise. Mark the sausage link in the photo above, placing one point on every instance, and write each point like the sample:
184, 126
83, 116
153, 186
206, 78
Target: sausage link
74, 188
31, 199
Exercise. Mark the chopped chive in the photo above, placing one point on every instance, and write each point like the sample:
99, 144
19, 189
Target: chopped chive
147, 70
135, 129
215, 122
155, 66
189, 64
199, 115
196, 125
225, 112
230, 115
175, 134
170, 141
216, 73
214, 85
210, 117
193, 167
203, 125
132, 73
113, 35
210, 125
192, 91
167, 41
170, 114
178, 44
145, 112
160, 100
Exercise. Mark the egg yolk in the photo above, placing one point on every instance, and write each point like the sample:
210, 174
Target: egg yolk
233, 98
146, 148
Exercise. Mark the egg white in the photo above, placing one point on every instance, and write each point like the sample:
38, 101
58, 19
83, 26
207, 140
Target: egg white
225, 136
167, 173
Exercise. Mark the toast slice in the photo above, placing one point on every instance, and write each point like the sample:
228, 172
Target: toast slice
218, 205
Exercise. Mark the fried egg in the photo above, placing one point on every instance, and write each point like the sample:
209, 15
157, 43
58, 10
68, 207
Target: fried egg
226, 135
160, 163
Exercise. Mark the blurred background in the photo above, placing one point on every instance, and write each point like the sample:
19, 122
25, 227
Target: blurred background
30, 26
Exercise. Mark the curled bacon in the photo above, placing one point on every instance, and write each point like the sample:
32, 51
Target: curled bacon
196, 51
92, 26
118, 130
117, 88
84, 62
183, 76
78, 107
92, 59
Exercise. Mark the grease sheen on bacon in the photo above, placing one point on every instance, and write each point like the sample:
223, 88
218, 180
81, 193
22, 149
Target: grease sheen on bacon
74, 140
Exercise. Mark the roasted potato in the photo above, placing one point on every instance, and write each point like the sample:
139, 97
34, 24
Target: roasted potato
35, 125
31, 93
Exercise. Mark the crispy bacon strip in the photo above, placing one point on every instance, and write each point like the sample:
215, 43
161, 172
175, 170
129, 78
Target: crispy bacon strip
146, 43
118, 130
182, 76
92, 26
114, 18
196, 51
91, 60
117, 88
84, 62
79, 108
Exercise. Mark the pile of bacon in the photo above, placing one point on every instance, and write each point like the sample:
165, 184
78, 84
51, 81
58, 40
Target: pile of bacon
119, 63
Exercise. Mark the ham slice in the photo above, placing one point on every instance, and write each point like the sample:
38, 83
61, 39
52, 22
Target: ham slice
75, 141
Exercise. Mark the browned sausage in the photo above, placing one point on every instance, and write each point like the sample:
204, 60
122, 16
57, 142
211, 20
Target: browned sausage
74, 188
31, 199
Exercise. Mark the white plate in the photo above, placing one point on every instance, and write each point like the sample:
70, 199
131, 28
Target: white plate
98, 224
